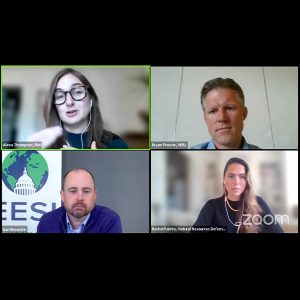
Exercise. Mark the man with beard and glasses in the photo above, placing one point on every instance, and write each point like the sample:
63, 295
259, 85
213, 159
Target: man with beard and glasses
79, 213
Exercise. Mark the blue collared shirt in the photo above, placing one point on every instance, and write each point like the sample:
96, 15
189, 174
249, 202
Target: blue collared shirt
70, 229
211, 145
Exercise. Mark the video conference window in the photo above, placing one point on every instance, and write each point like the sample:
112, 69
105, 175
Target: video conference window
75, 107
224, 191
208, 108
249, 114
75, 191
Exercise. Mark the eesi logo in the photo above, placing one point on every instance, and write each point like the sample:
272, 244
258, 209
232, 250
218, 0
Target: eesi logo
24, 172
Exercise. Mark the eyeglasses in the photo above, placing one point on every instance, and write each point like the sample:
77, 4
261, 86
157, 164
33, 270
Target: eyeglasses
77, 93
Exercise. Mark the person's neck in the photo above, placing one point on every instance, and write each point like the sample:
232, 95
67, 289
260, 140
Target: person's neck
75, 222
76, 128
233, 198
234, 145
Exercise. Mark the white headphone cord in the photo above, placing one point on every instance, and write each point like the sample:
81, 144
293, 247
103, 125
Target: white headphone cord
85, 129
82, 131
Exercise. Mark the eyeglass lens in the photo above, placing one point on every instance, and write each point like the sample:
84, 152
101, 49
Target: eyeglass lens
77, 93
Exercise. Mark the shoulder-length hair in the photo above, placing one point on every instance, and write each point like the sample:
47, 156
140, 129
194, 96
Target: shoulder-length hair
251, 207
96, 130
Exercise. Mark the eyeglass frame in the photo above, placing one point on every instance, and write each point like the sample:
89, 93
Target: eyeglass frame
70, 92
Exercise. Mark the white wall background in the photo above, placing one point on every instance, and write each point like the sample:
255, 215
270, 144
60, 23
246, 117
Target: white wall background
271, 95
122, 91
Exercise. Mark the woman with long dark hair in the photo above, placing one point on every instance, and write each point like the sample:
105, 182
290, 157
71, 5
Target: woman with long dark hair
239, 210
72, 115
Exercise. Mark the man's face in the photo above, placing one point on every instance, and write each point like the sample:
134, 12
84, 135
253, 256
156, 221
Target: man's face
224, 115
79, 194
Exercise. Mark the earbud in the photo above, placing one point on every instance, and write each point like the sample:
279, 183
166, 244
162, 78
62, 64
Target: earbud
91, 103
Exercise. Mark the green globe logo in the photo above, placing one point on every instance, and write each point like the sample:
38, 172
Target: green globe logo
24, 172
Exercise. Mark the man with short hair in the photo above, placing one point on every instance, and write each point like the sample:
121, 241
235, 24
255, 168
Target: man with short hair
223, 104
79, 213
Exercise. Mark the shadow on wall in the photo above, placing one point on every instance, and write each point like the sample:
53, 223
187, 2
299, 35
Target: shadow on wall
139, 139
10, 112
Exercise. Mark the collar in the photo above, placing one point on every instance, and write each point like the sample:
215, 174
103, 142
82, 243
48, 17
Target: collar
70, 229
77, 140
245, 145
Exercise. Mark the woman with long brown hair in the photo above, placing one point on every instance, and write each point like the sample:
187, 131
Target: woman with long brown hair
238, 210
72, 115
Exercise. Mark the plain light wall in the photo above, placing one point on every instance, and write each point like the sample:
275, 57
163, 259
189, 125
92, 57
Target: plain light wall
123, 92
282, 88
122, 182
271, 96
165, 91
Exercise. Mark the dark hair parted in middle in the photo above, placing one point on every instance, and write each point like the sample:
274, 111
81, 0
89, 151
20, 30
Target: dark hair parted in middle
251, 207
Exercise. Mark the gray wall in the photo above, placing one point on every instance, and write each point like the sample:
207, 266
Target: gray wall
122, 181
